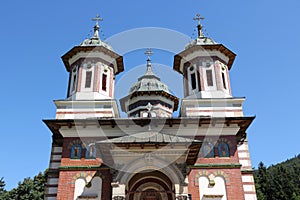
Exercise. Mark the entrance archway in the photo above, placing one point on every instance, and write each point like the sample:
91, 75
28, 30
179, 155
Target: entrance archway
150, 185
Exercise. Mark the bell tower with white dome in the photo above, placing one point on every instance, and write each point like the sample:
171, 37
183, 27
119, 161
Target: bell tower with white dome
92, 67
205, 67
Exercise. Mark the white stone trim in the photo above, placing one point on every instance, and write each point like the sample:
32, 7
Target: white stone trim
54, 165
52, 181
57, 149
51, 190
250, 197
50, 198
249, 188
55, 157
243, 154
248, 178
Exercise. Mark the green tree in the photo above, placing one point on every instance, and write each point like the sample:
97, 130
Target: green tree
40, 182
2, 189
28, 189
2, 185
261, 183
295, 197
281, 181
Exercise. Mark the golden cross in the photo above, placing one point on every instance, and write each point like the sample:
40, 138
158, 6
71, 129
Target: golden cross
199, 18
97, 19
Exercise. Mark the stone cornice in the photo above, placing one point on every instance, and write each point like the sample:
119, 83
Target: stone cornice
216, 166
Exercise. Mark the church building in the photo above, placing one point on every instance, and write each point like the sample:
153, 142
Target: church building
201, 154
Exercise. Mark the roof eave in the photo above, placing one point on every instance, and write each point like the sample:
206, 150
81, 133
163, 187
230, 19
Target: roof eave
119, 59
220, 47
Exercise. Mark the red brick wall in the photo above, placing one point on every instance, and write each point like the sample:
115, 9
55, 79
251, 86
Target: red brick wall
233, 179
66, 184
232, 175
66, 153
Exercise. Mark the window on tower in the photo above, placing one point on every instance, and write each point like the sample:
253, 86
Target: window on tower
104, 80
73, 80
209, 77
76, 151
74, 83
90, 152
223, 149
208, 150
193, 80
88, 79
224, 81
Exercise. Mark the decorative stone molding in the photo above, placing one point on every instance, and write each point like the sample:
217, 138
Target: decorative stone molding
118, 198
210, 176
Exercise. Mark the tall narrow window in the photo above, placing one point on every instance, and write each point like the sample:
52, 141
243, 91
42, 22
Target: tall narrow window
209, 78
104, 80
223, 149
208, 150
88, 79
193, 80
224, 82
76, 151
73, 80
74, 83
90, 152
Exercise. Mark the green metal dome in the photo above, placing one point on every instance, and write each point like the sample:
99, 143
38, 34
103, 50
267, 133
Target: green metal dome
149, 82
95, 40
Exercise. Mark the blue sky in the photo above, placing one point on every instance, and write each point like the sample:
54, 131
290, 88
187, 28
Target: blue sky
35, 34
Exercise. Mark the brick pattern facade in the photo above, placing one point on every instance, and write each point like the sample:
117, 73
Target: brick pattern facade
233, 182
66, 182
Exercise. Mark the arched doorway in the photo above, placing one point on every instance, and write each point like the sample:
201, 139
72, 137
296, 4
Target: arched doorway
150, 185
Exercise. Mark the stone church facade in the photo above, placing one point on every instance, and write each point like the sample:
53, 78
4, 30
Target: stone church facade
150, 155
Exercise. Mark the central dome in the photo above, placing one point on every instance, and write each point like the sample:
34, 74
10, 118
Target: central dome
149, 97
149, 82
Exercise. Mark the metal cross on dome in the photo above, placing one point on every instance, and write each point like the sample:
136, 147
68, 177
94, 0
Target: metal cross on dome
149, 53
199, 18
97, 19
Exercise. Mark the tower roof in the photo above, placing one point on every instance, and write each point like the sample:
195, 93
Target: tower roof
92, 46
201, 38
95, 39
149, 81
149, 84
204, 44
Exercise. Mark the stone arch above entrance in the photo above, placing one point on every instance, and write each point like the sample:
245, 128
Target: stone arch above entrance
150, 185
139, 165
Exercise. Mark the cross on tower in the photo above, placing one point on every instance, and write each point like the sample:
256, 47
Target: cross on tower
97, 19
200, 31
149, 53
199, 18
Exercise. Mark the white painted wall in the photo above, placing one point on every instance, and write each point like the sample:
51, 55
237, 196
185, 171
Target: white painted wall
82, 190
218, 189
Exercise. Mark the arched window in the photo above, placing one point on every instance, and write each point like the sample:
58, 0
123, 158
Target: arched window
104, 82
90, 152
208, 150
76, 151
223, 149
73, 79
193, 78
88, 79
